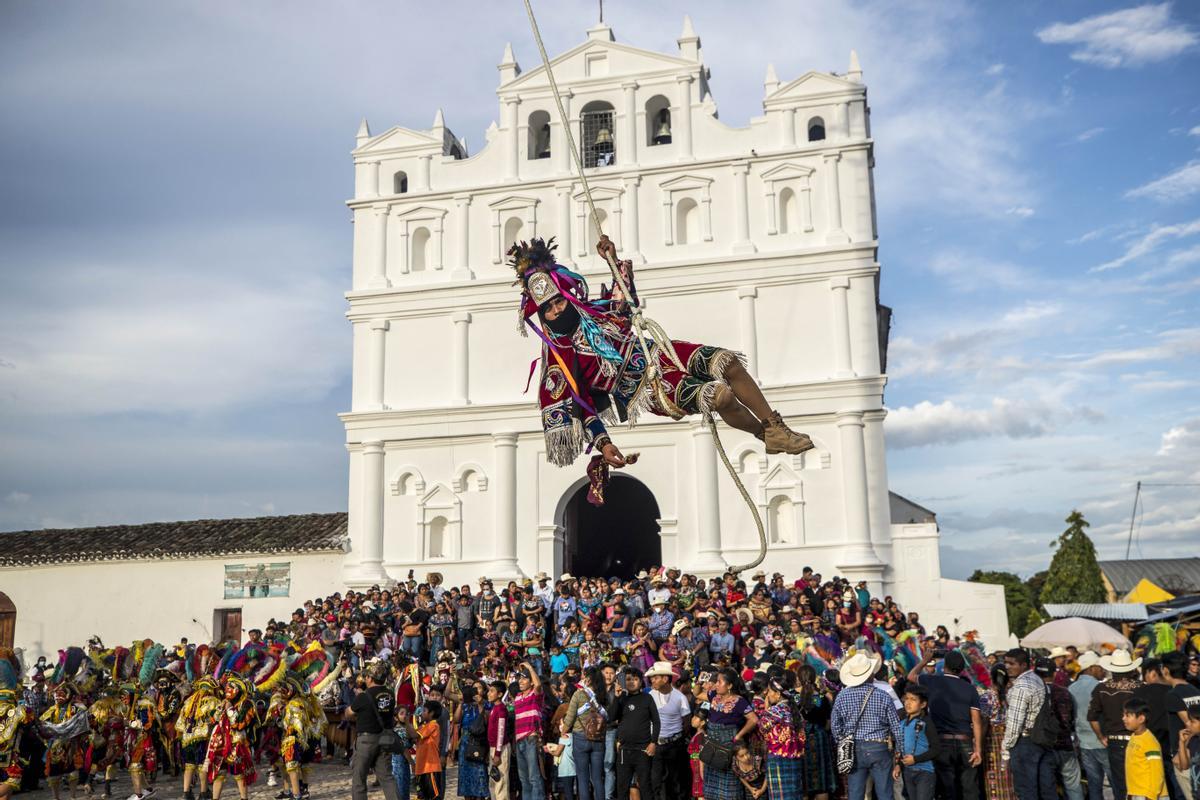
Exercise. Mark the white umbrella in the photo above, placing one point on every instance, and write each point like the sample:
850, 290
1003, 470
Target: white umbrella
1085, 634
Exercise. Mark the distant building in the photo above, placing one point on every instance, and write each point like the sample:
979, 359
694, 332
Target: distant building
1179, 576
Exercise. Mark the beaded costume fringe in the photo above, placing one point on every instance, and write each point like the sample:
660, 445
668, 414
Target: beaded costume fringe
564, 444
720, 362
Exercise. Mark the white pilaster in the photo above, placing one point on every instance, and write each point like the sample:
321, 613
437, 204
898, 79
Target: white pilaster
858, 559
505, 445
833, 200
376, 365
748, 323
708, 510
842, 120
632, 245
423, 184
681, 120
370, 567
462, 357
842, 365
372, 179
628, 150
462, 270
787, 125
564, 224
741, 210
379, 279
512, 145
559, 146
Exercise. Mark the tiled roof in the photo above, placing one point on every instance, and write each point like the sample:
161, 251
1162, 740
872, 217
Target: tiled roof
1176, 575
298, 533
1132, 612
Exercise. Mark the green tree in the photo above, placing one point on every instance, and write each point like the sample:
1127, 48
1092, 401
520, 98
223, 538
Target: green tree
1074, 575
1035, 583
1033, 621
1017, 598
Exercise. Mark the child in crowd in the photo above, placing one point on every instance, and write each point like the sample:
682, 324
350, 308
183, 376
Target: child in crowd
1187, 758
699, 720
428, 768
402, 762
558, 660
563, 754
749, 769
920, 746
1144, 776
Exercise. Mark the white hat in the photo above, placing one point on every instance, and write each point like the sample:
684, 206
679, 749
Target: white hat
679, 625
759, 574
566, 576
618, 591
786, 610
1120, 661
1087, 659
658, 579
661, 668
858, 669
1058, 651
541, 576
641, 576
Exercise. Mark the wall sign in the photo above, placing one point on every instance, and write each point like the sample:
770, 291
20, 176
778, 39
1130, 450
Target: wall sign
257, 580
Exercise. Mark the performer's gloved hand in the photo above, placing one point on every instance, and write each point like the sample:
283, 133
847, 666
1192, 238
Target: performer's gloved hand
605, 246
612, 455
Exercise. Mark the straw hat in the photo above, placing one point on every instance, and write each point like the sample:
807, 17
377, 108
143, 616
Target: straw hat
680, 624
541, 576
1120, 661
858, 669
1058, 651
758, 575
643, 575
661, 668
566, 576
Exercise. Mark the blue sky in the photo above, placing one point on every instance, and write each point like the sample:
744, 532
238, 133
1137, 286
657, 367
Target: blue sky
174, 244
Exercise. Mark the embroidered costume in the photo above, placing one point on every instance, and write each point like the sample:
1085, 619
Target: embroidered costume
14, 716
229, 743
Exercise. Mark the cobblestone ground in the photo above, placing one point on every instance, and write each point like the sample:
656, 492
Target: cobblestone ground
330, 781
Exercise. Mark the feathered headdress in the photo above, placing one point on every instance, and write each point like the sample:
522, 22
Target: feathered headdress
149, 667
69, 661
311, 667
541, 278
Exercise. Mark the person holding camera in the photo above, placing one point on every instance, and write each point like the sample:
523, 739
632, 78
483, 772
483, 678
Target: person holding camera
373, 710
958, 719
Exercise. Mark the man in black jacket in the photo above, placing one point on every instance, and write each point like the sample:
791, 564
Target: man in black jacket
636, 716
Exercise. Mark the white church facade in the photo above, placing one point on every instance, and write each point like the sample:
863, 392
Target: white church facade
761, 239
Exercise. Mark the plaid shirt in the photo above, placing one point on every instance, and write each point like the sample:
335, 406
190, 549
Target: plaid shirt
879, 718
1024, 699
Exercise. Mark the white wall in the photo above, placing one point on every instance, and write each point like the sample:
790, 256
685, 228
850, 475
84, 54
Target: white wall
64, 604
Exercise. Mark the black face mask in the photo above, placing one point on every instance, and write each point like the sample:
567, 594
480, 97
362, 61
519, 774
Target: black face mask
565, 323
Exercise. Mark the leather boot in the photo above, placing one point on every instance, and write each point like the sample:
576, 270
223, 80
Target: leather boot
779, 438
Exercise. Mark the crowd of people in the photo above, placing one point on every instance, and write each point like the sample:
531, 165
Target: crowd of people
661, 687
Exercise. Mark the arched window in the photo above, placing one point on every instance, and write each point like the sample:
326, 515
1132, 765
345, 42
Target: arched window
437, 537
400, 182
687, 221
781, 521
420, 250
658, 120
789, 217
512, 232
597, 145
539, 135
816, 129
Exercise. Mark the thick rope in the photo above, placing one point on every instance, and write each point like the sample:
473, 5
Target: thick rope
642, 325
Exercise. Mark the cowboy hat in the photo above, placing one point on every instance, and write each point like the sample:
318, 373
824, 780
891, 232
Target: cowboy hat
1087, 659
661, 668
757, 575
541, 576
641, 576
680, 624
1120, 661
787, 610
1058, 652
858, 669
566, 576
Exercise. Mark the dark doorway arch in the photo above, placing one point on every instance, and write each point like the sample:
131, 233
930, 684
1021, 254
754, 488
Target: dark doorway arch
8, 621
619, 538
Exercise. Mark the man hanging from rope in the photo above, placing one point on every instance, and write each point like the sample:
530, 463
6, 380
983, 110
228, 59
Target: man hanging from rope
594, 367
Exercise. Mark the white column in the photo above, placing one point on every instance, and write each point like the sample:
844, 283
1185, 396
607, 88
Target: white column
842, 118
682, 119
787, 128
512, 145
877, 480
462, 357
858, 551
379, 279
462, 272
741, 210
560, 148
564, 224
748, 322
505, 444
842, 365
372, 179
370, 566
632, 246
833, 200
708, 509
627, 151
377, 365
423, 184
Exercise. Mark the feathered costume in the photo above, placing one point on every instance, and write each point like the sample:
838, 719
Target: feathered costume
593, 367
13, 717
142, 711
196, 719
66, 748
229, 743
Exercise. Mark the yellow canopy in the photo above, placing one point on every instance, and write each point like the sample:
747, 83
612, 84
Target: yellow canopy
1148, 592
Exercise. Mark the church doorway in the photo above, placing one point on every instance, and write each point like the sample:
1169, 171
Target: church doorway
8, 621
617, 539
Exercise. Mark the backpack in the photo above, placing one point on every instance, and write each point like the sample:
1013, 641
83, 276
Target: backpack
592, 719
1046, 727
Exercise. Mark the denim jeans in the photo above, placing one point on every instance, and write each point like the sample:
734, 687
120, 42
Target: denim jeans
1032, 770
919, 783
1095, 767
436, 646
1067, 767
403, 775
529, 769
956, 778
1116, 765
589, 766
413, 646
874, 759
610, 763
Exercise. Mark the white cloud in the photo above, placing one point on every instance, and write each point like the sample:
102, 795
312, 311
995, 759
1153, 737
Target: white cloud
1024, 212
946, 423
1090, 133
1184, 437
1127, 38
1172, 345
1149, 242
996, 69
1177, 185
1194, 131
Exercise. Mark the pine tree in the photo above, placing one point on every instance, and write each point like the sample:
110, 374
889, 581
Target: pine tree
1017, 599
1074, 574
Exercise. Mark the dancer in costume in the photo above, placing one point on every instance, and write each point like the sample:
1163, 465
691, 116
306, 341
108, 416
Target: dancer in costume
194, 724
14, 717
140, 725
107, 717
229, 744
168, 701
594, 368
295, 746
65, 748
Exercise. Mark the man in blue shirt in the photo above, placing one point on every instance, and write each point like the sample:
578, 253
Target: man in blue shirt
869, 716
954, 710
722, 642
565, 606
1093, 755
